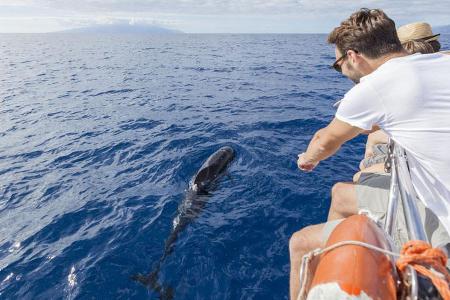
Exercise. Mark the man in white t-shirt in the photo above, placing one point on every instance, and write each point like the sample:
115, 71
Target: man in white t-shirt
406, 96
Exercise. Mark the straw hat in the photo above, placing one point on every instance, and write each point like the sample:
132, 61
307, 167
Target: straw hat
416, 31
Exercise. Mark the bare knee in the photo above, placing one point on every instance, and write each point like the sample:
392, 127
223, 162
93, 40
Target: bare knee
337, 198
297, 242
343, 201
301, 242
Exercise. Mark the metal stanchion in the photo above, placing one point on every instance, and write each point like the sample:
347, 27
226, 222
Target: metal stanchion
391, 212
409, 197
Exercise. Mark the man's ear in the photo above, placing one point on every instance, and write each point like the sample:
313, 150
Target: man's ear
353, 56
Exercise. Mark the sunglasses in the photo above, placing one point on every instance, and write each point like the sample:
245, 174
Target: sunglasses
336, 65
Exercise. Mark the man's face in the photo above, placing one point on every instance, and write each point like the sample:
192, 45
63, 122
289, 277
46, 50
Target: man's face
348, 67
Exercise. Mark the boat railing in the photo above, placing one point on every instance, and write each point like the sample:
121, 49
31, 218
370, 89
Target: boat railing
402, 189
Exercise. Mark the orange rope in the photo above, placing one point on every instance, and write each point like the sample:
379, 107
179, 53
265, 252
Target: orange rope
422, 257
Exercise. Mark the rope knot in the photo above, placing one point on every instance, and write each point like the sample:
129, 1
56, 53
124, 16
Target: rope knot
428, 261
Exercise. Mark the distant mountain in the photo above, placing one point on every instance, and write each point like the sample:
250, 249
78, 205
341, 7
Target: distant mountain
442, 29
124, 29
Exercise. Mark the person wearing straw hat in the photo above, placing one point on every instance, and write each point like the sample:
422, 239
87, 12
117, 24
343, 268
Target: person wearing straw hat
418, 37
405, 95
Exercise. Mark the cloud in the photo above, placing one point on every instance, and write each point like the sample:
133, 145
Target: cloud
75, 22
224, 7
249, 7
174, 6
222, 15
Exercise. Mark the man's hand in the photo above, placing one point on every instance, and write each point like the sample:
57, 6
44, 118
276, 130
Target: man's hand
304, 164
325, 143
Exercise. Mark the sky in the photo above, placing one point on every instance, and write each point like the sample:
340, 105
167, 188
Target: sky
210, 16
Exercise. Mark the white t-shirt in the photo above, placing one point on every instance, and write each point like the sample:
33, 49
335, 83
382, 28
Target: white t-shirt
409, 98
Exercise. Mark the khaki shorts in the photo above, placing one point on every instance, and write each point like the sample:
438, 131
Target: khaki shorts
372, 193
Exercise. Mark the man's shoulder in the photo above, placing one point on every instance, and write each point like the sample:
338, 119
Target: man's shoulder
430, 60
362, 89
401, 70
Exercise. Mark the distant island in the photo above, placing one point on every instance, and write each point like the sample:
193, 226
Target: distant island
124, 29
442, 29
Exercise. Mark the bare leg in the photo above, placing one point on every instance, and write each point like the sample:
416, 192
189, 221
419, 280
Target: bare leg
302, 242
343, 201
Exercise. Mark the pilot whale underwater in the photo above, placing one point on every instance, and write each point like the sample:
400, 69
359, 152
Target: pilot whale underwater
190, 208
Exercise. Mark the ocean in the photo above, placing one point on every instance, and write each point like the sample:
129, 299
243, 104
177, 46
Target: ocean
100, 135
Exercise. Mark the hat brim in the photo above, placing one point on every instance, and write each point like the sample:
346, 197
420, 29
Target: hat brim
431, 38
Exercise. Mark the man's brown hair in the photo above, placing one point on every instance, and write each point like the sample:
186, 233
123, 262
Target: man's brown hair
368, 31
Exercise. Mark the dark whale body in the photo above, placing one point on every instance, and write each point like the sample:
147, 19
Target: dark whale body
190, 208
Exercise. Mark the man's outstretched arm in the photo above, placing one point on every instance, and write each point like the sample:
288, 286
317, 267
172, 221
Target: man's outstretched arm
326, 142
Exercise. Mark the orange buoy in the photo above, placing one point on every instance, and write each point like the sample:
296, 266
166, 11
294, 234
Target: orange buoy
352, 271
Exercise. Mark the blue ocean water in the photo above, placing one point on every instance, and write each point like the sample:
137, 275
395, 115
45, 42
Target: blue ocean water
100, 135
